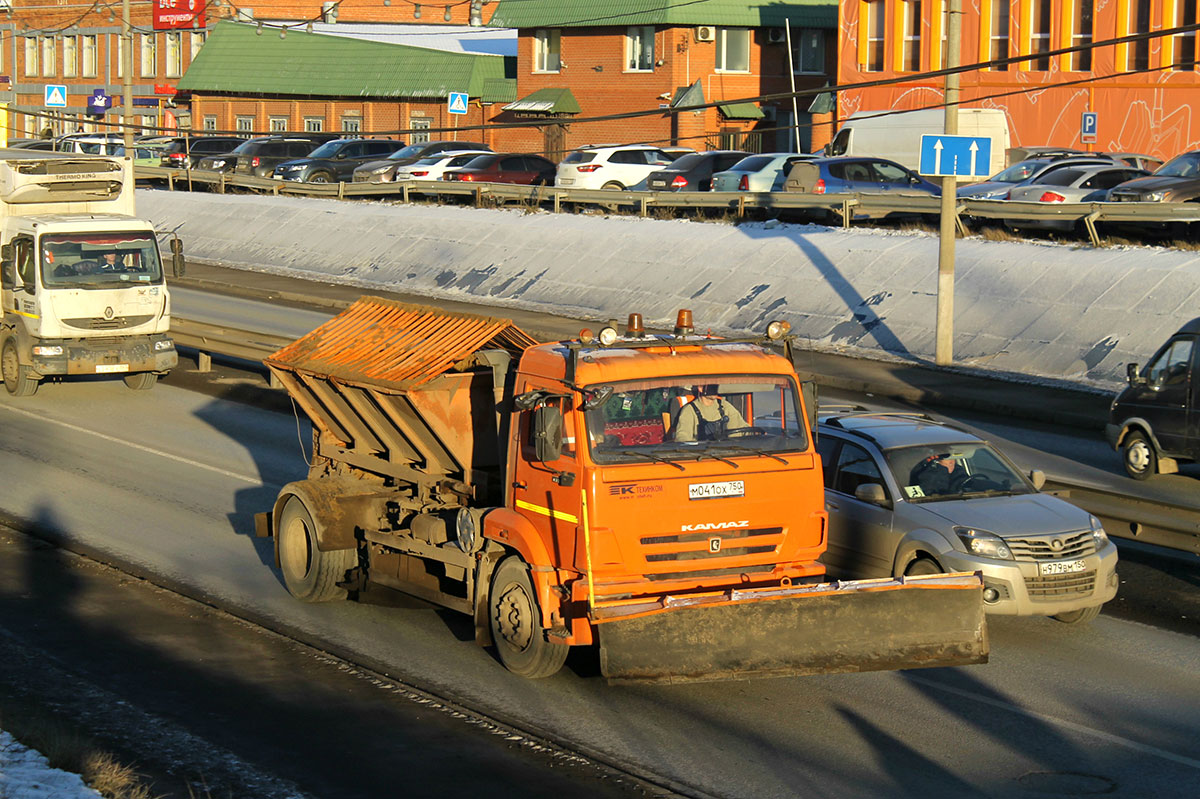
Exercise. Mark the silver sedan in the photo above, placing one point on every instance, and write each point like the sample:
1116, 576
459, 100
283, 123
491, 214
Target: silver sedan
1078, 184
762, 172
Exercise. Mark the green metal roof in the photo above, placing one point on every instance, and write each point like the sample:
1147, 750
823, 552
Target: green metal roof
237, 60
729, 13
547, 101
741, 110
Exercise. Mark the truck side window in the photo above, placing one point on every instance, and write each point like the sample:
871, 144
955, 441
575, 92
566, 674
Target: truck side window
1171, 368
568, 435
23, 253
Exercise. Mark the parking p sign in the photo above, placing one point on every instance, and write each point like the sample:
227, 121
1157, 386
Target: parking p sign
1088, 127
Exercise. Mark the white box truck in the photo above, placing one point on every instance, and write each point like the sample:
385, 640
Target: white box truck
897, 135
81, 280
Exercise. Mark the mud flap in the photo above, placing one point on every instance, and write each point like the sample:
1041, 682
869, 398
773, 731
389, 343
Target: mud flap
866, 625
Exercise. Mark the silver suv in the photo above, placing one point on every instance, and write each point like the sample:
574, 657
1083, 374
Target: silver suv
615, 167
910, 495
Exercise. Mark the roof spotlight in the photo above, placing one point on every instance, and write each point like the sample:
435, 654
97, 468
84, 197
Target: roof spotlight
608, 336
778, 329
586, 336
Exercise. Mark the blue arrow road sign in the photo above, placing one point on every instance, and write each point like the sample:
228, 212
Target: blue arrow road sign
56, 96
955, 155
457, 102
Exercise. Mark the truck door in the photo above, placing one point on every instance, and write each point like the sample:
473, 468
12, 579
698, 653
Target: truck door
546, 492
1163, 399
18, 276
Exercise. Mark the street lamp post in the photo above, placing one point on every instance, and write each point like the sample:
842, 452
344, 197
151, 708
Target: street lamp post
944, 347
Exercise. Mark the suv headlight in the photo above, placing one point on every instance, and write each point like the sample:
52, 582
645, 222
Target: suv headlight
983, 543
294, 167
1154, 196
1098, 534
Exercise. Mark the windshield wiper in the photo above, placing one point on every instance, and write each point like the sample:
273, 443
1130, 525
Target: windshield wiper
650, 455
752, 451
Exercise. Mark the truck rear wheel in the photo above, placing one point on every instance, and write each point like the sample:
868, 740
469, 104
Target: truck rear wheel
16, 374
142, 381
517, 624
309, 573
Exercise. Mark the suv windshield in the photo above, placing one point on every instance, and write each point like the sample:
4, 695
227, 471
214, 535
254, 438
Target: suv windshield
937, 472
1183, 166
99, 260
694, 417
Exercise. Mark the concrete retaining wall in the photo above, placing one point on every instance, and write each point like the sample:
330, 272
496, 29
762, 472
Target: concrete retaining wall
1042, 310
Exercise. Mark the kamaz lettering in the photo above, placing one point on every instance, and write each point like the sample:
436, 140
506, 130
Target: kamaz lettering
687, 528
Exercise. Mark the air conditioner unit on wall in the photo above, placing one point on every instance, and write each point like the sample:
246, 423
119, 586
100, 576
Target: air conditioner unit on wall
706, 33
776, 35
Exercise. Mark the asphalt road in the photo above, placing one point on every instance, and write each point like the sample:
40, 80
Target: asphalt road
167, 481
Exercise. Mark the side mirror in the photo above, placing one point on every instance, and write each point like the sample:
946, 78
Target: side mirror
1038, 478
177, 262
1132, 376
547, 433
871, 492
7, 276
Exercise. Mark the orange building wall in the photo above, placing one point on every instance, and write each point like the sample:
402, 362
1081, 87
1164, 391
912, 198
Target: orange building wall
1151, 112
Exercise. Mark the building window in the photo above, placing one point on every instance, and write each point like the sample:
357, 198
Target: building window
1039, 39
733, 49
278, 124
89, 55
420, 129
808, 51
1185, 43
1138, 55
547, 57
912, 36
174, 55
314, 124
998, 46
31, 56
351, 124
1081, 34
149, 55
244, 124
874, 38
149, 123
639, 48
48, 56
198, 39
210, 122
70, 56
120, 56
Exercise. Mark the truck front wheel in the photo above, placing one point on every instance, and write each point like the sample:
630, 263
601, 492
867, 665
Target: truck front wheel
16, 374
310, 574
517, 624
142, 381
1141, 461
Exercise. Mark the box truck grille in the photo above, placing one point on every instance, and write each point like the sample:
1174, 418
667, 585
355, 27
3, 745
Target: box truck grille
1070, 545
100, 323
1057, 586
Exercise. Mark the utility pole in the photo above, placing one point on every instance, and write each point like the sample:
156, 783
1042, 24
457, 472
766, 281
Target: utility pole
944, 350
127, 78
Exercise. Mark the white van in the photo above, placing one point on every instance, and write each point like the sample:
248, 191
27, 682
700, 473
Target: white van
898, 135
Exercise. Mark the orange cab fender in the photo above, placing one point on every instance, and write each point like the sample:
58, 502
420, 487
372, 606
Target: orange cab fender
513, 531
919, 543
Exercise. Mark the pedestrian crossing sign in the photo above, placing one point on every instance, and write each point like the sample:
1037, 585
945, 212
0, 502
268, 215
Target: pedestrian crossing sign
56, 96
458, 102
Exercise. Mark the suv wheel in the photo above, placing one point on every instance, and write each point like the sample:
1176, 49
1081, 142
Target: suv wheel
320, 177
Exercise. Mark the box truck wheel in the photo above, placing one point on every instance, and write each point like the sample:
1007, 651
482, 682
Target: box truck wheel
517, 623
16, 374
142, 381
1141, 461
309, 573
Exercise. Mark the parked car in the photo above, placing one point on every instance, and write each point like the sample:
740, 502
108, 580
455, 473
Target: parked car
384, 169
187, 153
762, 172
526, 170
1014, 155
693, 172
910, 495
1153, 420
1136, 160
432, 167
850, 174
1176, 181
90, 143
1077, 184
335, 161
225, 162
619, 166
260, 156
1023, 172
31, 144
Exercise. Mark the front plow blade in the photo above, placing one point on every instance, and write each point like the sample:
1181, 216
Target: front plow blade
864, 625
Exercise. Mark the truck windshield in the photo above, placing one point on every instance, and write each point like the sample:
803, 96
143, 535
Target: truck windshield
99, 260
716, 416
938, 472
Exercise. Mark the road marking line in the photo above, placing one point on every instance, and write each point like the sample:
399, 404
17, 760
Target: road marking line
1116, 739
148, 450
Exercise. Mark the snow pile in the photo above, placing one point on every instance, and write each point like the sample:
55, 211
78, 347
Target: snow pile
25, 774
1043, 310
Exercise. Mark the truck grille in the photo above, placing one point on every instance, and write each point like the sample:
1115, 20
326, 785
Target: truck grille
100, 323
1057, 586
698, 546
1071, 545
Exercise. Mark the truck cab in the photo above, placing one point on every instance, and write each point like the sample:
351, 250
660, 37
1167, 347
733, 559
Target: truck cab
1154, 421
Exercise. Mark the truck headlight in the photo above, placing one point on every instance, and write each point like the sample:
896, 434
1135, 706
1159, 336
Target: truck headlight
48, 349
983, 543
1098, 535
163, 345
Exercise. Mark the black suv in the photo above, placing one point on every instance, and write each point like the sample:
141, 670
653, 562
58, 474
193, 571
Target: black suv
384, 171
1154, 421
188, 152
260, 157
334, 161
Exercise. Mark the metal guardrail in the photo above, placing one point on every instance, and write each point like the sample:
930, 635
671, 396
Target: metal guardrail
846, 207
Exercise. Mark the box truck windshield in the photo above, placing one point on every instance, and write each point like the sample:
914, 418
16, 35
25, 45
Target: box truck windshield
95, 260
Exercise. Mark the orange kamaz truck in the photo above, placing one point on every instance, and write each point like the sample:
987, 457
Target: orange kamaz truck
658, 496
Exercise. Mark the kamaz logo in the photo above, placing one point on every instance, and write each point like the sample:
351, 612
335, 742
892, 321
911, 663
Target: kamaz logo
687, 528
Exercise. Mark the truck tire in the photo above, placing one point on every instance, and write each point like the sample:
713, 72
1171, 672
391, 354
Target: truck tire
1081, 616
1141, 461
16, 374
517, 626
309, 574
142, 381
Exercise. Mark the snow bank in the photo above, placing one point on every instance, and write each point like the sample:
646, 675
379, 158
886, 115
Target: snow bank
1042, 310
25, 774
